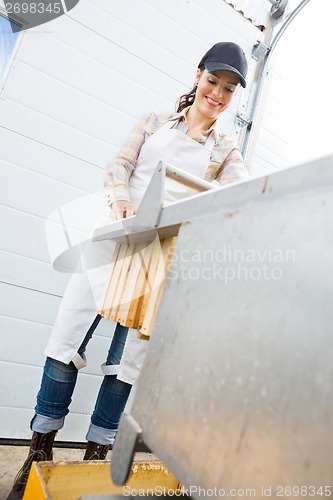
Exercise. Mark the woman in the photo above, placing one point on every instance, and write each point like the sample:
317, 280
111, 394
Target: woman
189, 140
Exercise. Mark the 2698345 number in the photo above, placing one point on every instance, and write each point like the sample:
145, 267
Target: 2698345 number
33, 8
304, 491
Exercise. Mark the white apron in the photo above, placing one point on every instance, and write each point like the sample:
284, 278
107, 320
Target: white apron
79, 305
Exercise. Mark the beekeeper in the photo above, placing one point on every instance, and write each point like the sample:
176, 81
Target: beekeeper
190, 140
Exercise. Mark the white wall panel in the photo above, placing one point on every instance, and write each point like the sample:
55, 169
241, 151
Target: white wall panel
51, 162
96, 79
100, 49
21, 331
30, 273
208, 23
82, 113
39, 127
27, 304
130, 39
51, 192
24, 234
73, 92
157, 27
16, 335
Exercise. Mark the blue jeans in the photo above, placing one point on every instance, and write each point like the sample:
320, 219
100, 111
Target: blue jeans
59, 379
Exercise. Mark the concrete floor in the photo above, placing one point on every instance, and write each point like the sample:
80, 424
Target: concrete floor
12, 458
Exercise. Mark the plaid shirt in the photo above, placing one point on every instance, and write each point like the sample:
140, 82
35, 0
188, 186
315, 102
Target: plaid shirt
226, 163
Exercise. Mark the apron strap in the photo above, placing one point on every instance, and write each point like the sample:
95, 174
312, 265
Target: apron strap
169, 124
210, 142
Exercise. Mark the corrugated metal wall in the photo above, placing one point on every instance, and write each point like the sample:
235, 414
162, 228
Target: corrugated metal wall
73, 92
256, 12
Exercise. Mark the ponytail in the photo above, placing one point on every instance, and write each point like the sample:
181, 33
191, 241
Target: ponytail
186, 99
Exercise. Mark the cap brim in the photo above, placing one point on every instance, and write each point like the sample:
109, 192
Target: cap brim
211, 67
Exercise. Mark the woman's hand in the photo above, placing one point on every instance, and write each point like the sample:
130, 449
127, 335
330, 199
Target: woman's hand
122, 209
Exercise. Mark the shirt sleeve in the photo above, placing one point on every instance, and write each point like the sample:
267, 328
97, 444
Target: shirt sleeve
232, 169
118, 172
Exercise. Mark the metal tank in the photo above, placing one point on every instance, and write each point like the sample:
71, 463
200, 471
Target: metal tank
236, 393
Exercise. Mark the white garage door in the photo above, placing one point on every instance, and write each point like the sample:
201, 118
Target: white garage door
74, 88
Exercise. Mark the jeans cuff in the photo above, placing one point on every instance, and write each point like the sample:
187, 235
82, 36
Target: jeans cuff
43, 424
100, 435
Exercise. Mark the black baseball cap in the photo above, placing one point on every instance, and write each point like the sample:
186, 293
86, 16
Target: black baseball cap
226, 56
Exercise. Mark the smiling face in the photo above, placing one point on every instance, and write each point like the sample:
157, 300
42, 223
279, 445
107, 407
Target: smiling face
215, 92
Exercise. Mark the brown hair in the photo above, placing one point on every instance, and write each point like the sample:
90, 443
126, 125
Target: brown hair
187, 99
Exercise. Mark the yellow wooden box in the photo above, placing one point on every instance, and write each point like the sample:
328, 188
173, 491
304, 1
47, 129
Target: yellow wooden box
72, 480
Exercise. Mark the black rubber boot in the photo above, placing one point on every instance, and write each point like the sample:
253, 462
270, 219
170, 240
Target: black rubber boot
95, 451
40, 450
